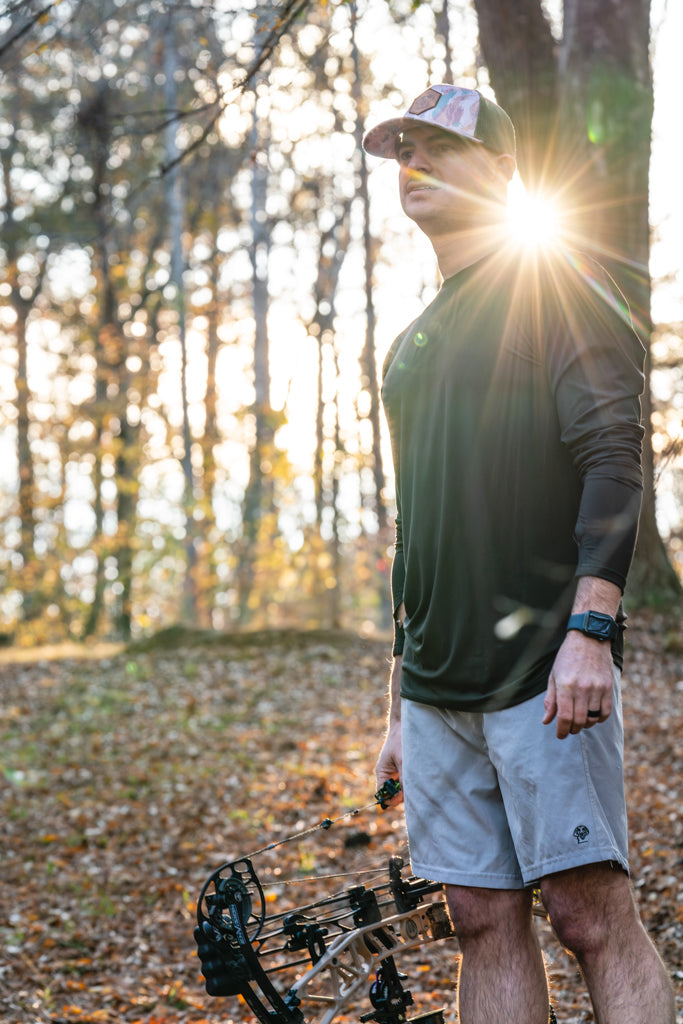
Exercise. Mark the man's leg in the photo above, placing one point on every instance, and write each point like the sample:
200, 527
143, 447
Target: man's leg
502, 975
592, 911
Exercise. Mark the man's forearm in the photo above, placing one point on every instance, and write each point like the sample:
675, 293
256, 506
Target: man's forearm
389, 763
597, 595
394, 712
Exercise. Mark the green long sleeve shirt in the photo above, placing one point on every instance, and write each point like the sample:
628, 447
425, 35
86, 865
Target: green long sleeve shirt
514, 413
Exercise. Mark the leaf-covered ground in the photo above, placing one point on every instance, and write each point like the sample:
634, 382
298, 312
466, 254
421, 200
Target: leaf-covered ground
129, 776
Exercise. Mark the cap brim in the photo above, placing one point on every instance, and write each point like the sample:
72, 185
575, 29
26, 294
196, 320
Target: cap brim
381, 140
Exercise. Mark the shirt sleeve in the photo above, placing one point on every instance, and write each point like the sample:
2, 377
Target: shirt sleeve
596, 364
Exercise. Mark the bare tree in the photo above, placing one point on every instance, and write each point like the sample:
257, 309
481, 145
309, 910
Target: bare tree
369, 377
177, 219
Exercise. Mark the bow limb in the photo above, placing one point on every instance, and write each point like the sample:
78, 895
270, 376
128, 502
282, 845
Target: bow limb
282, 1011
227, 941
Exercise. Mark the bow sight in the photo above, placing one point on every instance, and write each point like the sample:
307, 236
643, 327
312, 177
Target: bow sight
332, 946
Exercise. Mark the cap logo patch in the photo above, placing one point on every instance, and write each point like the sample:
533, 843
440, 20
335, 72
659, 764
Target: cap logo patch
425, 101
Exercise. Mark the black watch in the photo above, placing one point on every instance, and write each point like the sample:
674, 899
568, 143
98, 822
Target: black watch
594, 624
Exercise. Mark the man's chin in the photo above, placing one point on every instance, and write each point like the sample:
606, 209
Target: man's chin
420, 195
421, 203
426, 214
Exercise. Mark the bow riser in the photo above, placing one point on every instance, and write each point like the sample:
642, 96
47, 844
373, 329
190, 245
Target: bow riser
350, 959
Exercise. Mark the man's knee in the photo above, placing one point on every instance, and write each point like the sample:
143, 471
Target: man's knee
586, 905
477, 912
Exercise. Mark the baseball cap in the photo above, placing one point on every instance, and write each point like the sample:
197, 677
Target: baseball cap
463, 112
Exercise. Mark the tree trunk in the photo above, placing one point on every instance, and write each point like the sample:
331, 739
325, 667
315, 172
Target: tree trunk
128, 489
520, 53
608, 84
369, 378
175, 206
258, 497
24, 454
332, 248
102, 372
211, 439
443, 29
22, 307
583, 112
335, 594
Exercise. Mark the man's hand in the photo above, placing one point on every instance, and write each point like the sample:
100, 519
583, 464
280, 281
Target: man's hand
582, 676
581, 680
390, 761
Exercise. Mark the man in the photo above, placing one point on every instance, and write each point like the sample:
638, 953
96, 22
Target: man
513, 407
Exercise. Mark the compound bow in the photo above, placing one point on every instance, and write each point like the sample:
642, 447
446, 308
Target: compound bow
336, 942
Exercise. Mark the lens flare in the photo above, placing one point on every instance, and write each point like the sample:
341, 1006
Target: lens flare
534, 219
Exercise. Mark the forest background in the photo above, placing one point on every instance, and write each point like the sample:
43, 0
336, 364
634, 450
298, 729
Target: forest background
201, 273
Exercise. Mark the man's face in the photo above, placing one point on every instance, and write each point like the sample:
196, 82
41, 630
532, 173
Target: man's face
447, 182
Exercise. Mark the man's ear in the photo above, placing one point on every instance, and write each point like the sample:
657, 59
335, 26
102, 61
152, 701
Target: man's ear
506, 165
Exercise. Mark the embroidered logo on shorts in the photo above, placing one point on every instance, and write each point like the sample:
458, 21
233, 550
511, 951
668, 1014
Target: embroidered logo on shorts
581, 833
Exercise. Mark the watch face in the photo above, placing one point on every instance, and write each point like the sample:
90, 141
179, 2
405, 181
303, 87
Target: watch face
599, 625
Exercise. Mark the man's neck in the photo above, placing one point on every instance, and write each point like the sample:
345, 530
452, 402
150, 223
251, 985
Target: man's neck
456, 251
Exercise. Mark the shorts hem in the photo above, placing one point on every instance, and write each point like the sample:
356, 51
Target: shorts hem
470, 879
537, 872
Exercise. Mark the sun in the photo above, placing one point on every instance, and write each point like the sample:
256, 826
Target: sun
534, 219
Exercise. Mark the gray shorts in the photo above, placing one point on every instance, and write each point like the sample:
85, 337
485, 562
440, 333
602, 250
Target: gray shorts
496, 800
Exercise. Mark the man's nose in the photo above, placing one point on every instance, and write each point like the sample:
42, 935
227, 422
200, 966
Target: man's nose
419, 159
